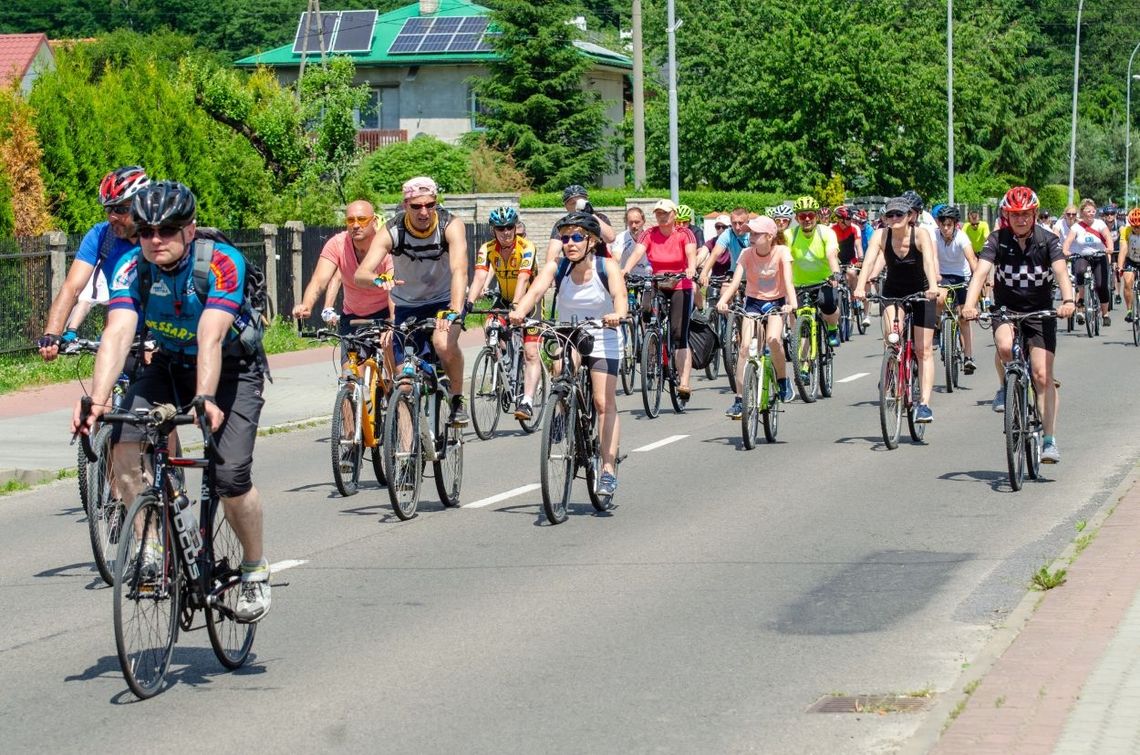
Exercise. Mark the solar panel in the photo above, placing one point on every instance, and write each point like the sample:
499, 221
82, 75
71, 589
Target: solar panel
464, 43
308, 40
435, 43
355, 31
484, 45
417, 25
473, 24
447, 34
447, 25
406, 43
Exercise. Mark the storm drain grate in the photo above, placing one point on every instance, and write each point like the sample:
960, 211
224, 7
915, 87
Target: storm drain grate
870, 704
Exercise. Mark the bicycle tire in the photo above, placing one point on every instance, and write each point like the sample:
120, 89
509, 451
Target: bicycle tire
651, 373
347, 455
805, 373
826, 369
860, 313
770, 400
750, 403
890, 400
487, 385
674, 381
81, 476
1014, 426
844, 318
557, 456
538, 401
105, 515
448, 471
914, 388
731, 350
377, 451
947, 350
231, 640
628, 358
959, 355
403, 457
1135, 317
146, 609
1033, 436
591, 451
1090, 309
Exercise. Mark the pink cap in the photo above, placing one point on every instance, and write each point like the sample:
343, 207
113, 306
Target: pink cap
420, 186
762, 224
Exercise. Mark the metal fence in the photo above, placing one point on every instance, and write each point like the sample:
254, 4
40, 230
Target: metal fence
25, 290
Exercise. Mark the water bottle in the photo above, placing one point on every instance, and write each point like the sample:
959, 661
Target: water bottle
186, 527
893, 338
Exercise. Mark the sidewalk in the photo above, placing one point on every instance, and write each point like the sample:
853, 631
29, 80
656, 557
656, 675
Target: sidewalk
1069, 681
34, 424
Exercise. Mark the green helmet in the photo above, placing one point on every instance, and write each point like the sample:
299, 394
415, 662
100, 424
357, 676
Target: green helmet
684, 213
770, 212
806, 204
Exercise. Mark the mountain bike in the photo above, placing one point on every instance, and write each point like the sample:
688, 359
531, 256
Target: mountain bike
722, 326
813, 358
633, 333
852, 312
1086, 292
900, 390
497, 377
658, 357
950, 335
416, 427
761, 396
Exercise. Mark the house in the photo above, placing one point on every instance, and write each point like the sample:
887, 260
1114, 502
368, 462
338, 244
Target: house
23, 57
418, 62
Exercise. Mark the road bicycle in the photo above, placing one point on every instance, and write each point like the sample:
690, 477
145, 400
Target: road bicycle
1023, 427
950, 336
169, 564
1136, 309
658, 357
497, 377
1086, 293
570, 439
761, 398
417, 427
851, 310
900, 390
813, 358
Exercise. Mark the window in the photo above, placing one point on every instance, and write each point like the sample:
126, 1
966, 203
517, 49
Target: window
476, 110
368, 116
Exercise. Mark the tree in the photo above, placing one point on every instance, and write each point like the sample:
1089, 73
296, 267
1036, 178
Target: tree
536, 107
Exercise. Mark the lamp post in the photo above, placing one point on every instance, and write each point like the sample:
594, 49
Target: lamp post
950, 99
674, 169
1076, 70
1128, 120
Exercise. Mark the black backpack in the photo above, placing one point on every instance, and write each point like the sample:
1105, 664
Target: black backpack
703, 341
251, 320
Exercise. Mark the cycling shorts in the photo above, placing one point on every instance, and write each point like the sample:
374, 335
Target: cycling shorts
763, 306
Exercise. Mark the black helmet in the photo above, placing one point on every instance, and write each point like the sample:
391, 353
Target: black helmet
949, 211
916, 201
583, 220
164, 203
575, 190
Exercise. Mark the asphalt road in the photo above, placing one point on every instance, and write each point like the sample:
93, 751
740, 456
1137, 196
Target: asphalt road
727, 592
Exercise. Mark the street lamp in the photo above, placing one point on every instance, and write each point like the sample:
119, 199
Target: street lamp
1128, 120
674, 168
1076, 69
950, 99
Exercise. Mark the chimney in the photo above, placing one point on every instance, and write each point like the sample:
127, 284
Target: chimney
428, 7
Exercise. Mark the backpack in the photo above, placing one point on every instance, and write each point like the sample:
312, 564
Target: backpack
703, 340
563, 270
251, 320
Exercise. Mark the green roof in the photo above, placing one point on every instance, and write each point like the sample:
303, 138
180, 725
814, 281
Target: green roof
389, 25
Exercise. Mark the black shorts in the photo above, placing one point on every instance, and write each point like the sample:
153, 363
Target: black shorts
421, 339
957, 296
1040, 334
925, 313
1131, 265
168, 380
602, 364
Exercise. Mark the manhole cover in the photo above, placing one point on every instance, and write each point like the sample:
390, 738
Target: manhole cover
870, 704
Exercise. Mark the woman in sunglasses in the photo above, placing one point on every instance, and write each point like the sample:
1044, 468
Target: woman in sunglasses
588, 285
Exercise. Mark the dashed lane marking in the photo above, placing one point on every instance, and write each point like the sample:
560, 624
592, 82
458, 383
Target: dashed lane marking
502, 496
856, 376
281, 566
658, 444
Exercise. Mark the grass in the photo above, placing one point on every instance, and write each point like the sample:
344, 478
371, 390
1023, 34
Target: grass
969, 689
1043, 579
13, 486
1083, 542
1081, 525
281, 337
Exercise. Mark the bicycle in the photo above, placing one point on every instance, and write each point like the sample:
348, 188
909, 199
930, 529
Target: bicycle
417, 430
1136, 309
850, 310
170, 565
722, 326
497, 378
1023, 427
1093, 316
813, 358
950, 334
633, 332
762, 396
658, 357
570, 439
899, 386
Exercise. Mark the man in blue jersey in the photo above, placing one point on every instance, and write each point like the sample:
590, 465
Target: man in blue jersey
735, 240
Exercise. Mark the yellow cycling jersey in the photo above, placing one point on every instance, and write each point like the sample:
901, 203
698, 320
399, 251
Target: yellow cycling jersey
507, 268
1130, 243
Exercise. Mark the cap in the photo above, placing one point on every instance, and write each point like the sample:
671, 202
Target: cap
420, 186
666, 205
724, 220
762, 224
897, 204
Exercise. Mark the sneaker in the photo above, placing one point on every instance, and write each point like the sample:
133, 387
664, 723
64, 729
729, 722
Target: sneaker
1106, 320
607, 485
999, 400
151, 562
833, 338
969, 366
459, 416
255, 600
866, 321
787, 393
1118, 299
1050, 454
734, 411
525, 411
938, 340
923, 415
1128, 316
1080, 318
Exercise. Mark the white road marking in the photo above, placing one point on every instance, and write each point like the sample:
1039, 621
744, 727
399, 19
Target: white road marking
502, 496
286, 564
856, 376
658, 444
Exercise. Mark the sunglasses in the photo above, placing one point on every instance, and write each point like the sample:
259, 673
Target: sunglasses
165, 231
424, 206
577, 238
360, 221
893, 214
1070, 214
720, 227
118, 209
510, 227
805, 215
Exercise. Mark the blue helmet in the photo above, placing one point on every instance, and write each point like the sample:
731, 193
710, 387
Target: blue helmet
503, 216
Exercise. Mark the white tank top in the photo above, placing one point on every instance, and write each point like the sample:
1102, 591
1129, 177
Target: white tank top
590, 300
952, 254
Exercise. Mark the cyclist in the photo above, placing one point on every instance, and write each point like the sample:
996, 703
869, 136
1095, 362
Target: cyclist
1066, 222
815, 260
511, 260
851, 247
919, 217
1115, 226
766, 270
1090, 234
627, 240
1128, 259
99, 254
429, 249
582, 294
722, 264
575, 198
956, 263
199, 355
672, 249
734, 240
686, 218
783, 214
912, 267
1026, 260
976, 229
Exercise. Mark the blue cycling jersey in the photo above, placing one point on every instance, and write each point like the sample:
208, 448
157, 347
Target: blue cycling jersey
102, 249
868, 232
173, 307
733, 243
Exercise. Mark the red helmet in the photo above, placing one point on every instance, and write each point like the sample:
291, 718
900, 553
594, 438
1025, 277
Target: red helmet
121, 185
842, 212
861, 214
1019, 199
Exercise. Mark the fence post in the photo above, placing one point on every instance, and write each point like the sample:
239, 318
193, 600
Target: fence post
269, 239
297, 228
56, 242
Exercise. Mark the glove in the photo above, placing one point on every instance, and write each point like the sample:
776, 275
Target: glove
329, 315
47, 340
69, 336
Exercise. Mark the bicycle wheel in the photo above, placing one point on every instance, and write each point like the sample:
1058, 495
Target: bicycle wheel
147, 597
230, 639
628, 358
914, 390
1033, 439
651, 373
859, 314
750, 413
958, 354
556, 473
1014, 428
1135, 317
890, 400
731, 350
591, 451
403, 465
448, 469
1090, 308
487, 385
947, 352
844, 318
770, 399
347, 452
806, 376
826, 364
674, 381
377, 451
81, 475
104, 513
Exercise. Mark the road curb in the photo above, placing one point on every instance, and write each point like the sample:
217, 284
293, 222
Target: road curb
937, 720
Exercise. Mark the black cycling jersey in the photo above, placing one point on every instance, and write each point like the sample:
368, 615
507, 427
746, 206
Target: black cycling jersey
905, 275
1023, 280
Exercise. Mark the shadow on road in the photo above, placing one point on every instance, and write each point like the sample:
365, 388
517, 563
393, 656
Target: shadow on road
196, 667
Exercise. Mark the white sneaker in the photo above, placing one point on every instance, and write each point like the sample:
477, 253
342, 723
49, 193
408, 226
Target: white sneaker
256, 597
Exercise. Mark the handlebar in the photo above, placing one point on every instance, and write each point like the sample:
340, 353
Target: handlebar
898, 300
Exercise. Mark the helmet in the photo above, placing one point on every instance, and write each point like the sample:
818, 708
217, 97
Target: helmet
684, 212
916, 201
583, 220
861, 214
575, 190
121, 185
1020, 198
843, 212
948, 211
770, 212
164, 203
784, 211
1108, 209
502, 216
806, 204
1134, 216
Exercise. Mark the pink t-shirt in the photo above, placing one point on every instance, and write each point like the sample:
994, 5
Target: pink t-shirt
361, 301
763, 276
666, 254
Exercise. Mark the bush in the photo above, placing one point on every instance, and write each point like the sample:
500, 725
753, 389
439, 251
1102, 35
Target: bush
385, 170
702, 202
1054, 197
492, 170
980, 187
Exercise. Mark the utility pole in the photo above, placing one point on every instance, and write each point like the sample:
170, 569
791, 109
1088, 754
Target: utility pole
674, 170
313, 17
638, 100
1076, 70
950, 98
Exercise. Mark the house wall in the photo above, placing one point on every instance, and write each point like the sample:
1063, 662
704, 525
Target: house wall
44, 61
610, 85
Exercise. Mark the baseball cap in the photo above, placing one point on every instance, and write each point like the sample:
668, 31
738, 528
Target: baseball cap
724, 220
420, 186
762, 224
666, 205
897, 204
